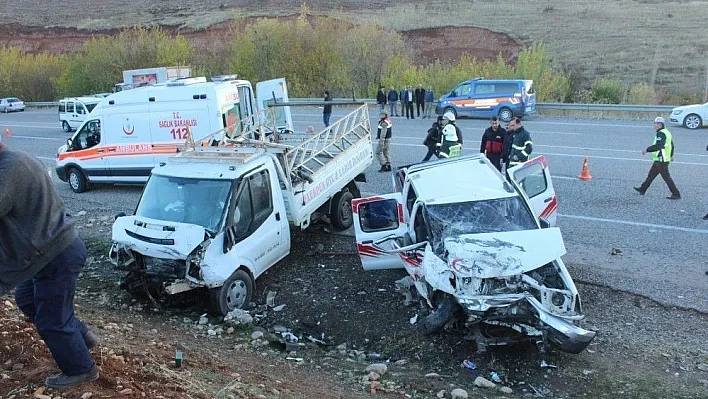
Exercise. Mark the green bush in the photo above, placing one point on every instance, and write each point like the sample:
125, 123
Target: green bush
607, 91
30, 77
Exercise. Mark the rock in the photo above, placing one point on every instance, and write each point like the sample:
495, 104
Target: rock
440, 394
373, 376
230, 330
483, 383
40, 396
374, 386
401, 362
203, 321
87, 395
17, 366
238, 317
704, 382
342, 347
4, 377
379, 368
459, 394
507, 390
211, 333
702, 366
81, 213
126, 391
432, 375
257, 335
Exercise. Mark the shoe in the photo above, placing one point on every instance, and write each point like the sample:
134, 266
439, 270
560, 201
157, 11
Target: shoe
61, 381
639, 190
674, 197
91, 339
705, 217
383, 168
388, 167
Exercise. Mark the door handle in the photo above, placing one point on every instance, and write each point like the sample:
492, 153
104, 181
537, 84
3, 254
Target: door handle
548, 199
99, 150
277, 216
111, 149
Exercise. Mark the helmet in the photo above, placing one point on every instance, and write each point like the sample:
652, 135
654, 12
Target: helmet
449, 116
659, 120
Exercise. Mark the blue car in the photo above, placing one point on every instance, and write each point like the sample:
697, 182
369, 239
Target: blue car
482, 98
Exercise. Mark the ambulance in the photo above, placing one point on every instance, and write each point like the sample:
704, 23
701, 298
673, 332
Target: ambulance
130, 132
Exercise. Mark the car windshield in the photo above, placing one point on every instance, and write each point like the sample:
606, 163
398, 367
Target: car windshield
194, 201
477, 217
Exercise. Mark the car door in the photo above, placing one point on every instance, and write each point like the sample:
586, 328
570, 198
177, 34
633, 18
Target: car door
534, 179
87, 150
271, 91
378, 224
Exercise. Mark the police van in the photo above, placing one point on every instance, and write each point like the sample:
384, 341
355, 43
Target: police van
130, 132
73, 111
482, 98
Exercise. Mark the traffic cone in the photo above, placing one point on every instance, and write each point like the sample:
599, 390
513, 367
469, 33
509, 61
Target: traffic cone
7, 132
585, 173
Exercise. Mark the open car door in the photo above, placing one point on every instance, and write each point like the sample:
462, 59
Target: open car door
271, 92
534, 179
378, 222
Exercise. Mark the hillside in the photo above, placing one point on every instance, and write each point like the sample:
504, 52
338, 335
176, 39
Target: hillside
634, 40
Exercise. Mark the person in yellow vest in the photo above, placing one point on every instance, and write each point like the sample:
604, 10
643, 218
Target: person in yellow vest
663, 154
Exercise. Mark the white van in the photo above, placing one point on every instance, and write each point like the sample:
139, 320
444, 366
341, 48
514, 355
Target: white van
73, 111
132, 131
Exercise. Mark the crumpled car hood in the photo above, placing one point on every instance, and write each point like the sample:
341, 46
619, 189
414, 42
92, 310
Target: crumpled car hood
157, 238
503, 254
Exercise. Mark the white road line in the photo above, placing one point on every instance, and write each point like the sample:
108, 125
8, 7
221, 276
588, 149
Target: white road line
35, 138
47, 158
57, 127
651, 225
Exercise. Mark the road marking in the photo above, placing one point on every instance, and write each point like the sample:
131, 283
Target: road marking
57, 127
554, 177
617, 221
35, 138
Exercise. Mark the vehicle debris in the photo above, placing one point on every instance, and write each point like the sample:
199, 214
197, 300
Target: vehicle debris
469, 365
414, 319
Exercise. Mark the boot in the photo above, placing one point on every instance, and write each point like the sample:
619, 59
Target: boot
62, 381
91, 339
383, 168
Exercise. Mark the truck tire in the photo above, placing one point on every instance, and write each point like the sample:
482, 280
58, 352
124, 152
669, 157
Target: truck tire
65, 125
342, 216
505, 114
77, 181
234, 294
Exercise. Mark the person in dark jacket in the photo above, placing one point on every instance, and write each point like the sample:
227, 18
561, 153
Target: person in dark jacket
402, 97
432, 139
419, 99
429, 99
663, 154
381, 98
392, 102
383, 135
327, 112
41, 256
493, 143
519, 145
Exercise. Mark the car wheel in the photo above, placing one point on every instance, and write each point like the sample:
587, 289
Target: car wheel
234, 294
443, 313
77, 181
450, 109
692, 121
505, 114
65, 126
342, 216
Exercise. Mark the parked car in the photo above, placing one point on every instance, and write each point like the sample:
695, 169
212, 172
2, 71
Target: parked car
481, 98
690, 116
10, 104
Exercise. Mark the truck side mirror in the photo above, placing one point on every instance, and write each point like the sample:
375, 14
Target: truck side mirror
544, 223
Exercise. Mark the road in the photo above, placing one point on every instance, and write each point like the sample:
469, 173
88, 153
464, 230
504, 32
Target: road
663, 242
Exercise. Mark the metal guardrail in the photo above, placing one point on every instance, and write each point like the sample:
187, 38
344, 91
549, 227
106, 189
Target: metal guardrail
539, 106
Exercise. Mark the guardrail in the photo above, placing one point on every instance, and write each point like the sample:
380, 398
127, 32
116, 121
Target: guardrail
539, 106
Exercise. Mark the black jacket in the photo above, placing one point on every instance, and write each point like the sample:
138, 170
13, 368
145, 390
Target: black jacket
419, 96
491, 136
519, 138
380, 97
392, 95
433, 137
327, 107
387, 135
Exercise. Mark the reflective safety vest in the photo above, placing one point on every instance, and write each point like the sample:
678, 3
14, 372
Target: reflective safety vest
664, 154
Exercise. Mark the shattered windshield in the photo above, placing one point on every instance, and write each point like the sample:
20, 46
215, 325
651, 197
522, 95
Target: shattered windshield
194, 201
476, 217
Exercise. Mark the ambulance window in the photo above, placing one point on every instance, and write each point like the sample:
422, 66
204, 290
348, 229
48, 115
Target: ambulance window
88, 136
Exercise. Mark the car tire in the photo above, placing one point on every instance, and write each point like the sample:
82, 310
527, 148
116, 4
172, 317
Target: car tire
692, 121
77, 181
505, 114
450, 109
234, 294
65, 125
342, 216
444, 312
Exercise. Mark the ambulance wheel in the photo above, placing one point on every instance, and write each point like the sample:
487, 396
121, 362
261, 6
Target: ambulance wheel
505, 114
77, 181
65, 126
342, 216
234, 294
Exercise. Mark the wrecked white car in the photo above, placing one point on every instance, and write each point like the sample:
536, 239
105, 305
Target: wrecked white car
477, 246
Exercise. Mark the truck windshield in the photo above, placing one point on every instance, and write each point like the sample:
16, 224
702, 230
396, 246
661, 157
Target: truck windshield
477, 217
194, 201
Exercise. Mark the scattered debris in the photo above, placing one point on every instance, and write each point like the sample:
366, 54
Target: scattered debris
404, 287
379, 368
545, 365
270, 299
440, 394
469, 364
279, 308
432, 375
616, 251
483, 382
495, 377
414, 319
507, 390
702, 366
238, 317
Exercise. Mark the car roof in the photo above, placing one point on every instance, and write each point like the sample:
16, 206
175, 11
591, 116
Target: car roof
469, 178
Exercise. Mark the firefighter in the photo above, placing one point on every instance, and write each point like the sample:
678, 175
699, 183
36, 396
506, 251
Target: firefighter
449, 144
493, 142
663, 154
519, 145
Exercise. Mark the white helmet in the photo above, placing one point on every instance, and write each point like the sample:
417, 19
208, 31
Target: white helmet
449, 116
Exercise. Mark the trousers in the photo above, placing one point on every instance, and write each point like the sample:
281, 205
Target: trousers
382, 151
660, 168
48, 301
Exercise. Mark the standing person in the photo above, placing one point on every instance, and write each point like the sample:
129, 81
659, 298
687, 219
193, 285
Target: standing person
381, 98
383, 135
41, 256
493, 143
402, 97
327, 112
429, 98
392, 102
410, 100
449, 143
432, 139
419, 99
663, 150
520, 145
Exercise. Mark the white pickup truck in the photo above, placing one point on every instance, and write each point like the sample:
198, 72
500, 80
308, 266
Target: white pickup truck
218, 214
477, 244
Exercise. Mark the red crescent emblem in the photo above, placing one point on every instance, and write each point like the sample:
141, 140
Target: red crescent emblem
128, 128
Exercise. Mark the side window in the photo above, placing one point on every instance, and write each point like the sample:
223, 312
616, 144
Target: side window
62, 107
506, 88
532, 180
419, 227
379, 215
243, 213
260, 197
463, 89
88, 136
70, 107
484, 88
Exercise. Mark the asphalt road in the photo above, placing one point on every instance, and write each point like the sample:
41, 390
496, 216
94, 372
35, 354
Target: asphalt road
663, 242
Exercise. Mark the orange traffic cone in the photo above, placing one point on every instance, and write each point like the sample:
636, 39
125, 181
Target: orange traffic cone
585, 173
7, 132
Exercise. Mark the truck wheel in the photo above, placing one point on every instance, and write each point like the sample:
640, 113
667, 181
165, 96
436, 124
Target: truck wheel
234, 294
342, 215
77, 181
65, 126
505, 114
